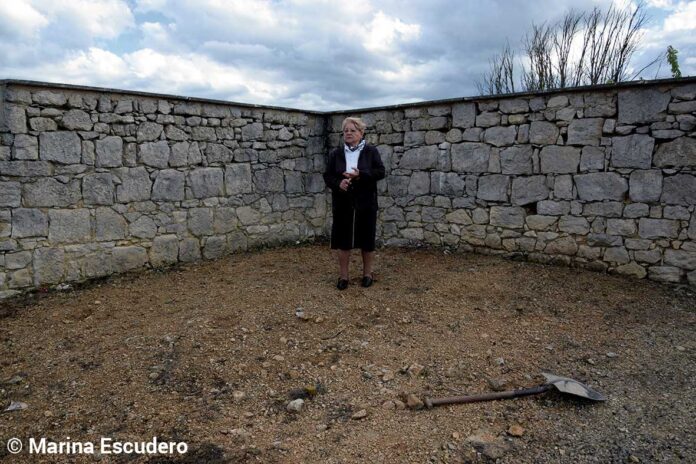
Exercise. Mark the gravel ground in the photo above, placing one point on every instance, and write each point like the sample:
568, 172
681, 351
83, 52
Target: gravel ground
212, 353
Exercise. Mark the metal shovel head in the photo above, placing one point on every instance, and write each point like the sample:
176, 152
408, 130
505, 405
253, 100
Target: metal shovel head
573, 387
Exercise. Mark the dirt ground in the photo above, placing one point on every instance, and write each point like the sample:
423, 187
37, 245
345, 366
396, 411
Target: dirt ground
212, 353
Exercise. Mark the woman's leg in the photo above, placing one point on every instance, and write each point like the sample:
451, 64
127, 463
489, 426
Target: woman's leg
343, 262
368, 258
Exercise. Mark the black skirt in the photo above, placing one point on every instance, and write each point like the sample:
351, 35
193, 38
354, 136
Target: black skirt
353, 228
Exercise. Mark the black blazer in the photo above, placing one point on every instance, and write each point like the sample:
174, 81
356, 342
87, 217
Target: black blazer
363, 191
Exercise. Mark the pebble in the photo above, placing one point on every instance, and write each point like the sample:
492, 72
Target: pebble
400, 405
238, 395
413, 402
389, 405
278, 358
497, 384
516, 430
295, 405
359, 415
680, 348
387, 376
591, 361
456, 435
321, 427
499, 361
415, 369
611, 354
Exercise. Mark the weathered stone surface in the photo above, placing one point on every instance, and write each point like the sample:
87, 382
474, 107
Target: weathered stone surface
618, 255
293, 182
665, 274
42, 124
62, 147
470, 157
200, 221
420, 158
76, 120
642, 105
169, 185
69, 226
269, 180
127, 258
601, 186
26, 147
563, 187
49, 266
49, 98
603, 209
450, 184
459, 216
419, 184
516, 160
585, 131
681, 259
507, 216
633, 151
632, 269
488, 119
527, 190
543, 133
109, 152
592, 158
164, 250
679, 153
207, 182
135, 185
189, 250
29, 222
539, 222
636, 210
493, 188
155, 154
11, 194
553, 208
109, 225
215, 247
143, 227
148, 131
559, 160
500, 136
625, 227
599, 104
604, 240
645, 186
253, 131
517, 105
47, 192
658, 228
15, 119
679, 189
562, 246
238, 178
574, 225
98, 189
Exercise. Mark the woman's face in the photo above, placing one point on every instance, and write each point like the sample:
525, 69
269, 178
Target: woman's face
351, 134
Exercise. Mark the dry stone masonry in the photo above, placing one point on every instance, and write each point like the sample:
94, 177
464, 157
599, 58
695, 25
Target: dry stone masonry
95, 181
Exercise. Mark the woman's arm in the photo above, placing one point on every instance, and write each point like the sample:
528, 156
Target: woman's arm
332, 179
376, 170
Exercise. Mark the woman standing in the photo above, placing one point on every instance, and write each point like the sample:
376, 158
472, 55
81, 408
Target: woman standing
352, 173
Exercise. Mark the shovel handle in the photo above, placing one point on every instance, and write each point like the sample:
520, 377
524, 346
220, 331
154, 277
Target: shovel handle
430, 403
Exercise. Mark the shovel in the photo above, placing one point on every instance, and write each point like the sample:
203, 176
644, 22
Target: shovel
562, 384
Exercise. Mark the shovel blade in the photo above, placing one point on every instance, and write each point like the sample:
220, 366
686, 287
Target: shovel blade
573, 387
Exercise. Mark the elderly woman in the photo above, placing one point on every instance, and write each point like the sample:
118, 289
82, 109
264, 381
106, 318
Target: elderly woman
352, 173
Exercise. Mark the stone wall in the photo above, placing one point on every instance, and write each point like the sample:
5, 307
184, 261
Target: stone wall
598, 178
94, 182
99, 181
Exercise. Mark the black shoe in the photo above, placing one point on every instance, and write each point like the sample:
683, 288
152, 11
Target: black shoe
342, 284
367, 281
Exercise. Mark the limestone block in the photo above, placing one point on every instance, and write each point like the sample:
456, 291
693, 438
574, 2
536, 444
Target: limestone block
15, 119
397, 186
648, 256
293, 182
77, 120
658, 228
488, 119
225, 218
47, 192
599, 104
98, 189
507, 216
603, 209
604, 240
49, 266
169, 186
636, 210
450, 184
665, 274
679, 189
680, 152
414, 138
109, 152
155, 154
419, 184
69, 226
135, 185
585, 131
420, 158
218, 153
559, 160
109, 225
29, 222
553, 208
209, 182
493, 187
26, 147
500, 136
516, 160
42, 124
253, 131
148, 131
514, 106
618, 255
10, 194
592, 159
601, 186
563, 187
459, 216
632, 151
574, 225
200, 221
642, 105
539, 222
17, 260
127, 258
543, 133
562, 246
215, 247
62, 147
470, 157
632, 269
269, 180
681, 259
97, 265
164, 250
625, 227
645, 186
530, 189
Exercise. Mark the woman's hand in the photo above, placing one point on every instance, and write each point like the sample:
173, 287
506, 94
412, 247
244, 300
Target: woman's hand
345, 183
352, 175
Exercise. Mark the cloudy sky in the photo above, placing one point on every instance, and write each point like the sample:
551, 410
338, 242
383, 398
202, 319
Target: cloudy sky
309, 54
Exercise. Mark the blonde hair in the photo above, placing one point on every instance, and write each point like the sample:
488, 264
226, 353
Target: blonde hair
359, 124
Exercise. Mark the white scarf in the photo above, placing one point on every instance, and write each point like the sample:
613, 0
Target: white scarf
352, 155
